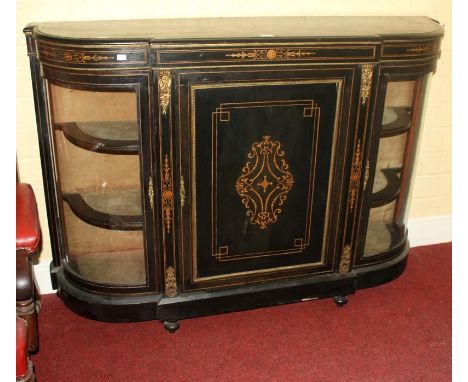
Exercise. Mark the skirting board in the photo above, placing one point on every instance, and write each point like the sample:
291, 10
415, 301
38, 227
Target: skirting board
422, 231
430, 230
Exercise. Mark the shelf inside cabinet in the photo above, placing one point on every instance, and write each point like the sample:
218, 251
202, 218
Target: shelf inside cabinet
110, 137
396, 120
386, 186
126, 267
118, 209
382, 237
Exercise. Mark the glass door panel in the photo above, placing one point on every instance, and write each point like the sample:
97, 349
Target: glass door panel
96, 132
400, 124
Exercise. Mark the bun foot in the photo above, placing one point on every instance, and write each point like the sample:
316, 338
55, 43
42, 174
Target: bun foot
340, 300
171, 326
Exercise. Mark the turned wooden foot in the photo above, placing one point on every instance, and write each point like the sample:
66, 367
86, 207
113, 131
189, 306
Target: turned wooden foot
171, 326
340, 300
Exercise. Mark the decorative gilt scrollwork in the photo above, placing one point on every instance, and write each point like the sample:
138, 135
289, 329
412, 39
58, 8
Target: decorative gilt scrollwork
426, 48
264, 182
366, 81
366, 175
270, 54
164, 89
73, 56
151, 192
182, 192
49, 53
243, 55
167, 194
171, 282
85, 57
355, 176
345, 259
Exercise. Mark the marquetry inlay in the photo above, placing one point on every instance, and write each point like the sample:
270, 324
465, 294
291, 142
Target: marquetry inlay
264, 182
271, 54
151, 192
167, 194
425, 48
356, 170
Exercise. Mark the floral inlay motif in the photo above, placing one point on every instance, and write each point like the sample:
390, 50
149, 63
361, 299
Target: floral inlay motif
264, 182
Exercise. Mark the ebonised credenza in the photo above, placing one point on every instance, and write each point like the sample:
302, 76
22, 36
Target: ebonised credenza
200, 166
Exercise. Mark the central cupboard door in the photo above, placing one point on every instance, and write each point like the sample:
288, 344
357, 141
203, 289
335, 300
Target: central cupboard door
261, 158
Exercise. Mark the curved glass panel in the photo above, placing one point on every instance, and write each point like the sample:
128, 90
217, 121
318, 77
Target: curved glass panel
98, 161
400, 127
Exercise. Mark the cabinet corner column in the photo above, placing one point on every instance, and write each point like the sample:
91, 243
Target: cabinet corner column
164, 86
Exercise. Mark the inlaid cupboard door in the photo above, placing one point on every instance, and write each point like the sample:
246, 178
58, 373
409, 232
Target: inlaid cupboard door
261, 158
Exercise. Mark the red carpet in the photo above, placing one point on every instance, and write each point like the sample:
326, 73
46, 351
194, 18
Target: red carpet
400, 331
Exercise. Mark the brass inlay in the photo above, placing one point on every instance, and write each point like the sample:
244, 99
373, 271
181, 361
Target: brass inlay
49, 53
345, 259
366, 81
171, 282
182, 192
84, 57
271, 54
366, 175
265, 183
73, 56
422, 48
243, 55
311, 110
164, 89
267, 162
355, 176
151, 192
167, 194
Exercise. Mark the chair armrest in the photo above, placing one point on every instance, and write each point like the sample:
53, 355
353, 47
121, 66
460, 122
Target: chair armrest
27, 220
24, 279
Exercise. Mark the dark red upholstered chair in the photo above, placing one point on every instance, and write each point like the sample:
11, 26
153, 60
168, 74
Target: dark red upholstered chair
27, 297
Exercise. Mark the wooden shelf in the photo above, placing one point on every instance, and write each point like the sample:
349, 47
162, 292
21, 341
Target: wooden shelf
390, 177
126, 267
110, 137
118, 210
396, 120
382, 237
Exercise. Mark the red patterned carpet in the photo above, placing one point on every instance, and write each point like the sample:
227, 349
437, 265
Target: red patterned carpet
400, 331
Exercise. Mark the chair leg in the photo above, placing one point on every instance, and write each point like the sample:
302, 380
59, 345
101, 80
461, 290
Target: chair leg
27, 311
30, 376
24, 366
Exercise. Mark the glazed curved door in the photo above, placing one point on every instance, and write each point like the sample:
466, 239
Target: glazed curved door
262, 174
397, 127
98, 129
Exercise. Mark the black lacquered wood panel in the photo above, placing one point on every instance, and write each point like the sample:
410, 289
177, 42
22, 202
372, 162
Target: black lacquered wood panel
271, 53
262, 160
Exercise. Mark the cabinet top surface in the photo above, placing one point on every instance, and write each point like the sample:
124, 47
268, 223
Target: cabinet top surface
243, 28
